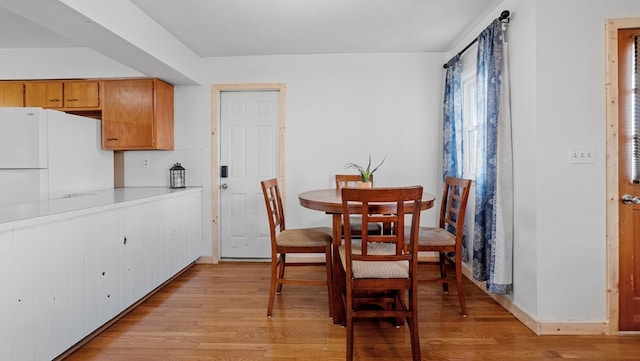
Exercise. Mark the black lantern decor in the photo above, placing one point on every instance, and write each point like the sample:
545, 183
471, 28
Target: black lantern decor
177, 177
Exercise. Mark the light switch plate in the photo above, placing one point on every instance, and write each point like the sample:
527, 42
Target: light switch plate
581, 155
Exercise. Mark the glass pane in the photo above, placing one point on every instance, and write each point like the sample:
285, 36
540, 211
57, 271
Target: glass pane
636, 113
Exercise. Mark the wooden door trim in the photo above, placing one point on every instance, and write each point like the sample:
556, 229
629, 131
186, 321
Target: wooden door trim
216, 89
612, 224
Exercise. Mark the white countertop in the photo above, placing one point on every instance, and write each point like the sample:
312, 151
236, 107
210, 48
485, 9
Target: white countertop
22, 214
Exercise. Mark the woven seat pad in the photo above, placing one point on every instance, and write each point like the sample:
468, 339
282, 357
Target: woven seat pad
375, 269
305, 237
433, 236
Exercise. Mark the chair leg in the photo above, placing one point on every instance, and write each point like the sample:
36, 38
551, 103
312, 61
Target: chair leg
349, 322
398, 305
443, 272
413, 325
272, 288
339, 287
463, 304
282, 263
329, 279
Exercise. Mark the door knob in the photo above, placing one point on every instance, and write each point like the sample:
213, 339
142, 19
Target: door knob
224, 186
629, 199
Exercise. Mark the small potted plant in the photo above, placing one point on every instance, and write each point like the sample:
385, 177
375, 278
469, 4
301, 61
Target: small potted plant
365, 173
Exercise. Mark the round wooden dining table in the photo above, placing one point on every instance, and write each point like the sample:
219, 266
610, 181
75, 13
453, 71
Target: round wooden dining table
330, 202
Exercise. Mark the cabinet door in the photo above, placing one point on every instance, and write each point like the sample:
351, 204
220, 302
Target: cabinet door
79, 235
92, 275
108, 237
24, 294
127, 115
7, 296
11, 94
81, 94
53, 283
129, 251
43, 94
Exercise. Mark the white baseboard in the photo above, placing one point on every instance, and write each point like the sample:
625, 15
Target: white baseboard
206, 260
542, 327
573, 328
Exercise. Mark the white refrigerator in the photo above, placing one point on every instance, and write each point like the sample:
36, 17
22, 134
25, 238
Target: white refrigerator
47, 154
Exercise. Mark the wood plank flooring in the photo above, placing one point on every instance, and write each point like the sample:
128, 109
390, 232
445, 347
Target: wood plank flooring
218, 313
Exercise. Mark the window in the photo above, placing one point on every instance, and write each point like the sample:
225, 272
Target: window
469, 123
635, 112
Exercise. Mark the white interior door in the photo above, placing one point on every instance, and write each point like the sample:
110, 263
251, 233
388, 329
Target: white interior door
249, 149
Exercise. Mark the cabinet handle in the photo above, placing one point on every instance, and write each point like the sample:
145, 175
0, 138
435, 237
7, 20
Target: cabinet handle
54, 100
112, 138
125, 240
72, 100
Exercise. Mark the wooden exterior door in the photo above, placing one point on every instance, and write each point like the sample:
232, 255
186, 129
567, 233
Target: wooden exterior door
629, 179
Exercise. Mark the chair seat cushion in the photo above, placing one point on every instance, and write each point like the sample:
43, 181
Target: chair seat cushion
434, 236
305, 237
375, 269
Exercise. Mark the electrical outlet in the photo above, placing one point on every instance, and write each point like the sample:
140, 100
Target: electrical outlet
146, 162
581, 155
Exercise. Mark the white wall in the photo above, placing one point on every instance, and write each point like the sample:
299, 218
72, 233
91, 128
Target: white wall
557, 62
571, 112
341, 108
557, 53
59, 63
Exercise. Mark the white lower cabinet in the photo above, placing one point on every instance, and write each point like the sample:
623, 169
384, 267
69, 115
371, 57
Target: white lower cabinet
64, 279
6, 299
23, 305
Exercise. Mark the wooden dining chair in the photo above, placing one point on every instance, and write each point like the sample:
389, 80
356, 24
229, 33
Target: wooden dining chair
380, 271
351, 180
300, 240
446, 239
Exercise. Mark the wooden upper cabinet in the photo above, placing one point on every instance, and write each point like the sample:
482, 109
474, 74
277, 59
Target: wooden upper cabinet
137, 114
43, 94
63, 94
81, 94
11, 94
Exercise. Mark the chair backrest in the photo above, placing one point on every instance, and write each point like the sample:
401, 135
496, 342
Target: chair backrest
454, 205
273, 203
383, 205
349, 180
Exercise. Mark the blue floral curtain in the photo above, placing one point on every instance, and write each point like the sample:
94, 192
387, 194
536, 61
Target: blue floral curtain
452, 121
493, 227
452, 131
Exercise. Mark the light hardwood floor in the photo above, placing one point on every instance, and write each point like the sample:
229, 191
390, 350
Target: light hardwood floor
218, 313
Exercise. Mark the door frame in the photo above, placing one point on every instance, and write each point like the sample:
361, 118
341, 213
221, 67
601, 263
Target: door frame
216, 89
612, 222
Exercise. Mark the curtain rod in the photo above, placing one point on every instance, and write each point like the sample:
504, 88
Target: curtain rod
504, 17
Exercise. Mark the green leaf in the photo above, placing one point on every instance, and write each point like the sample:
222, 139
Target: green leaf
365, 174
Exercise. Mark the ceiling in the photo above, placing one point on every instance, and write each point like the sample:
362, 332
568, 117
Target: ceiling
214, 28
